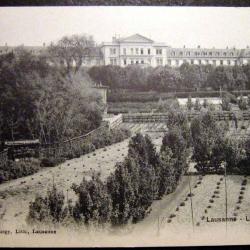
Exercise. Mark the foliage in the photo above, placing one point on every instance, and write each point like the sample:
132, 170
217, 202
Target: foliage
94, 203
236, 157
197, 105
14, 169
189, 103
205, 103
242, 103
98, 139
70, 52
164, 78
51, 161
166, 105
127, 195
48, 209
37, 101
175, 144
208, 143
225, 103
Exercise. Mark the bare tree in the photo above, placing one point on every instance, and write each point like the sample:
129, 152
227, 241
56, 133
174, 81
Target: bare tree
70, 51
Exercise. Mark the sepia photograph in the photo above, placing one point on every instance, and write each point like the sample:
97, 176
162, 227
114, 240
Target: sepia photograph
124, 126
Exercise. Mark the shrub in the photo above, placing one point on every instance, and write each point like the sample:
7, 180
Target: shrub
51, 162
182, 204
50, 209
244, 182
14, 170
94, 203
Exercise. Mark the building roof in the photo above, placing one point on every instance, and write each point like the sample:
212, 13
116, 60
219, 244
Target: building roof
136, 38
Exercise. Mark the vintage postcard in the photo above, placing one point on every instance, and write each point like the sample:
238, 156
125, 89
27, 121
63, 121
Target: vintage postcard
124, 126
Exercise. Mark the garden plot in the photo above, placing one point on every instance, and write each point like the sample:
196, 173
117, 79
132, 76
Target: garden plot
149, 127
173, 213
15, 195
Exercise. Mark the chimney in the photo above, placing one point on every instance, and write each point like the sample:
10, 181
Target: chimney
113, 39
44, 44
199, 46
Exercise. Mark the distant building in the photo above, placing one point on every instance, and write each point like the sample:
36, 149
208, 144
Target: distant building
140, 50
135, 49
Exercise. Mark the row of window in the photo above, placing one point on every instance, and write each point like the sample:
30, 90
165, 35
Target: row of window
136, 51
159, 61
136, 61
203, 53
221, 62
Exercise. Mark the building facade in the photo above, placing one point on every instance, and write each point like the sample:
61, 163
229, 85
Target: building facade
135, 49
140, 50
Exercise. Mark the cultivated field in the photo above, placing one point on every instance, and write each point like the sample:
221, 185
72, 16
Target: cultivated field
168, 217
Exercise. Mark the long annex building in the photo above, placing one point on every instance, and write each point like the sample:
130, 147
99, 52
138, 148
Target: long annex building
140, 50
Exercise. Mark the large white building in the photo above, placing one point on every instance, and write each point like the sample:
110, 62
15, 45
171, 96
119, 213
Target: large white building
137, 49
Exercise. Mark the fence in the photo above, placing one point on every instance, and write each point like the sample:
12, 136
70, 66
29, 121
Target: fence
68, 147
163, 117
114, 121
71, 146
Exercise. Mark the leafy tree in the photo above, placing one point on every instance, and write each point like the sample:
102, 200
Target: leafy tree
121, 189
94, 203
38, 102
164, 78
205, 103
71, 51
174, 140
197, 105
167, 176
49, 209
208, 141
235, 157
242, 103
166, 105
225, 103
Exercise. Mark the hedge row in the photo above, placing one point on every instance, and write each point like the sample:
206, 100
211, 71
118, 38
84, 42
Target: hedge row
153, 96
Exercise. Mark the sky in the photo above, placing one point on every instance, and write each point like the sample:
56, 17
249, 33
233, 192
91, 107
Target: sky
176, 26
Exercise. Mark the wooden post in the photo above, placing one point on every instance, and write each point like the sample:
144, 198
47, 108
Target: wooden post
191, 201
226, 193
